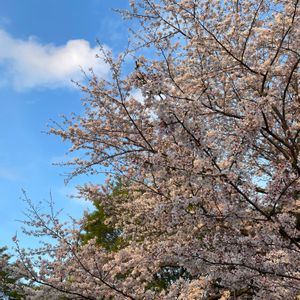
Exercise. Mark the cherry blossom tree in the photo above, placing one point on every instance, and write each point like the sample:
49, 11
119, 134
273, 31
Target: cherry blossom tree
208, 153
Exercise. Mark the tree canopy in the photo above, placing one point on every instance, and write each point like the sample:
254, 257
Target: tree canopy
209, 155
11, 287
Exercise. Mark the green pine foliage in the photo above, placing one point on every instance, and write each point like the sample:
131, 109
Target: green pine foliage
166, 276
96, 225
10, 286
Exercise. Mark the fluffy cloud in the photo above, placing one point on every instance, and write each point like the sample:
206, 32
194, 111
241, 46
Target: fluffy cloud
10, 174
26, 64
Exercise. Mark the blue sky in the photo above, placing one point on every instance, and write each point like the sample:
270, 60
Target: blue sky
42, 46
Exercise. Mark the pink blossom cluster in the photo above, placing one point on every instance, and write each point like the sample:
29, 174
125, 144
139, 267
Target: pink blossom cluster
209, 157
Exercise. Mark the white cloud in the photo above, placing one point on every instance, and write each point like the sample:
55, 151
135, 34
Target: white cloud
137, 95
28, 64
71, 193
9, 174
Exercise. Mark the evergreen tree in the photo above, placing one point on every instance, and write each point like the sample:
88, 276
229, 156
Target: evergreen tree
10, 286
